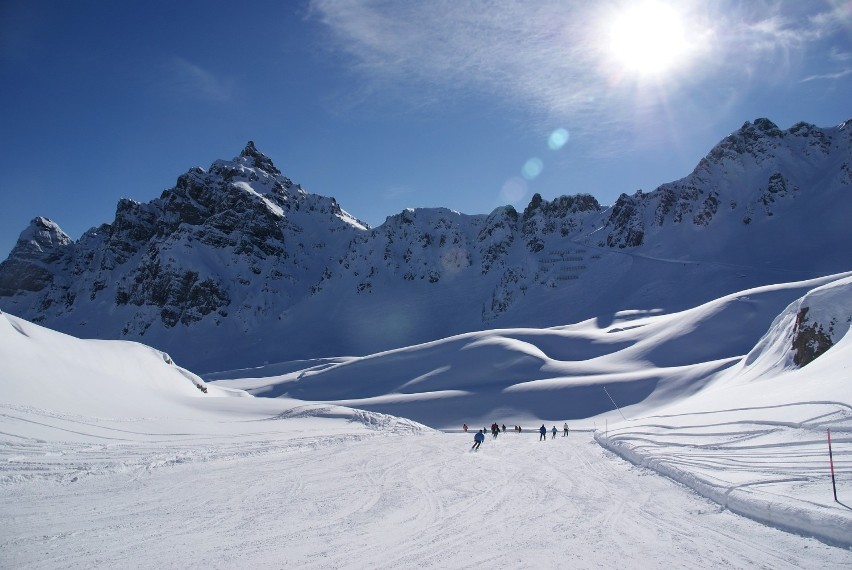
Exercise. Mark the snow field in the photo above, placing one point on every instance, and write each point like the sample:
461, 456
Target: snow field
388, 501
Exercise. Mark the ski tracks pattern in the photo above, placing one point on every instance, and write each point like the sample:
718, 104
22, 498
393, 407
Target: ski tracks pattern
391, 501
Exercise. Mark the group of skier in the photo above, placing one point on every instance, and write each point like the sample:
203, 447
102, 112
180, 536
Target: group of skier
479, 437
543, 431
495, 429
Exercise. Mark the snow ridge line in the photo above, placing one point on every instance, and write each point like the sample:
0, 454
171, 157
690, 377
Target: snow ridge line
371, 420
829, 528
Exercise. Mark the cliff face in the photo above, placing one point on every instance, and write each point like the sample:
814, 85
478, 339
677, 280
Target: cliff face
236, 264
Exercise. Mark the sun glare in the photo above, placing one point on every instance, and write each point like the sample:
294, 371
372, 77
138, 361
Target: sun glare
648, 38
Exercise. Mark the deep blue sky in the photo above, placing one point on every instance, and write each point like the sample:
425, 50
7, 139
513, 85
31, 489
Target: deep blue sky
388, 104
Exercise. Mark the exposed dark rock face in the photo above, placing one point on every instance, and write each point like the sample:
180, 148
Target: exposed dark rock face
626, 222
810, 340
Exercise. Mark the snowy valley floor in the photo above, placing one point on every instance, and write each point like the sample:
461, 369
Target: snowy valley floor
364, 500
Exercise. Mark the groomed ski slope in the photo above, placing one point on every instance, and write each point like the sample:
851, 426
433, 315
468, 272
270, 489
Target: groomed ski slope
387, 501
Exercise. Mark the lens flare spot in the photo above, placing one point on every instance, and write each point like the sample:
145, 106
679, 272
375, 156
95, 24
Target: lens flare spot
558, 138
532, 168
513, 190
455, 260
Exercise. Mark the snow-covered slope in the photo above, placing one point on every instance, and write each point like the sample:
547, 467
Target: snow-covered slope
237, 265
555, 374
54, 387
110, 454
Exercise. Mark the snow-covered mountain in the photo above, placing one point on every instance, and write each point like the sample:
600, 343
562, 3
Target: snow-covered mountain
237, 265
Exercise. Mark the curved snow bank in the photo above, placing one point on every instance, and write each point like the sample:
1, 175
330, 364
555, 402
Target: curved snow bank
774, 473
370, 420
755, 439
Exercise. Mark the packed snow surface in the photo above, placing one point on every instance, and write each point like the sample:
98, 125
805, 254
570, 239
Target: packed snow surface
112, 455
382, 502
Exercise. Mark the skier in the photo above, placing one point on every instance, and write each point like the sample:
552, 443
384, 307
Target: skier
477, 440
554, 432
543, 431
504, 428
465, 428
564, 429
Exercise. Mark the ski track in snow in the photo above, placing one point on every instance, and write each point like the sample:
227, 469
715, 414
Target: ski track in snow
776, 472
370, 501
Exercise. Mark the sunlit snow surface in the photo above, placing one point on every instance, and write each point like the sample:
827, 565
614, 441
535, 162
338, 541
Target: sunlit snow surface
111, 455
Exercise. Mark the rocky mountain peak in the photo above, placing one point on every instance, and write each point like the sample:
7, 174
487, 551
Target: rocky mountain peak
41, 236
257, 159
764, 126
757, 139
41, 247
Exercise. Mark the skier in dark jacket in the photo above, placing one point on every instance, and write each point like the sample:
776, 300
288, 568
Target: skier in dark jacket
477, 440
543, 431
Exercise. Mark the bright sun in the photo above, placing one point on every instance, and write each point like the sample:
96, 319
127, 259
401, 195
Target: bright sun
648, 38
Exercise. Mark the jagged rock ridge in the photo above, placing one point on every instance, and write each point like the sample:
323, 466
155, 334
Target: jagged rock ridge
236, 264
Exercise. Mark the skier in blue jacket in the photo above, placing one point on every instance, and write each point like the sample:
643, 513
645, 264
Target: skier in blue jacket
543, 431
477, 440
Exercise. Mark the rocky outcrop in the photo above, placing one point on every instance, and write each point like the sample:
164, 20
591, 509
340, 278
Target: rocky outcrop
810, 339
